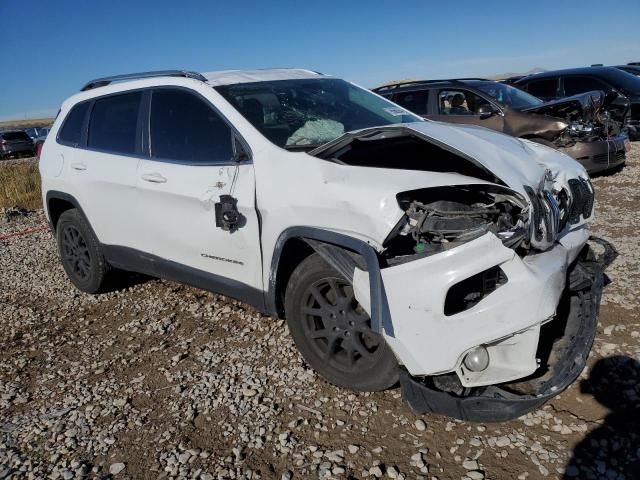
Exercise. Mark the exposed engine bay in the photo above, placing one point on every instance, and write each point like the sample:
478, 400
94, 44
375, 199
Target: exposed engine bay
441, 218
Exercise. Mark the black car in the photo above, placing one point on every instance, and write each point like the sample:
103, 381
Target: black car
622, 87
15, 144
632, 69
573, 125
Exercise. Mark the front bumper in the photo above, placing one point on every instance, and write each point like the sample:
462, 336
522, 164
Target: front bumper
427, 341
600, 155
566, 361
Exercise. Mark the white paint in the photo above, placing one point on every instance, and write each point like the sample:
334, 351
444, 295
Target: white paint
175, 220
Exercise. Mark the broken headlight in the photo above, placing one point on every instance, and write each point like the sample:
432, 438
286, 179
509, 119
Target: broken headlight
583, 129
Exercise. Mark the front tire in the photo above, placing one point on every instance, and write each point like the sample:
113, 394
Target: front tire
333, 332
80, 253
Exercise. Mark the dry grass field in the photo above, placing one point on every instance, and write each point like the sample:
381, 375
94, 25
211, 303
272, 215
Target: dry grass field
20, 185
37, 122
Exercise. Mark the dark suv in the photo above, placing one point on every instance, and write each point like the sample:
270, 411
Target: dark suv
573, 125
621, 86
16, 143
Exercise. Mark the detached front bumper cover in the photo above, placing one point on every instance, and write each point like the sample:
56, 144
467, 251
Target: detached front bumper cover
496, 404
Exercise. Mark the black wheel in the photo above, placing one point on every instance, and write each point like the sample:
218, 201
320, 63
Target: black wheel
80, 253
333, 332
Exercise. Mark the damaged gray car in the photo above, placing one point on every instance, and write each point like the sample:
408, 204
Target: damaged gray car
579, 126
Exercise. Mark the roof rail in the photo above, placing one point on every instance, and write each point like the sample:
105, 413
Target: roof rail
393, 86
101, 82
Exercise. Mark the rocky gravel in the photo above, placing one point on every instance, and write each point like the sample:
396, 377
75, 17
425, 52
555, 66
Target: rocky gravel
160, 380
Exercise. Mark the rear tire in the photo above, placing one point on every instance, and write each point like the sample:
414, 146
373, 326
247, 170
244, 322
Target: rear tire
332, 331
80, 253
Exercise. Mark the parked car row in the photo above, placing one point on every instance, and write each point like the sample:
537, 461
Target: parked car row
16, 144
447, 257
588, 113
26, 142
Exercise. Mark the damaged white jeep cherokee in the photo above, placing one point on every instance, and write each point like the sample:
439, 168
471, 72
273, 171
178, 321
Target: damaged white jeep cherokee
450, 258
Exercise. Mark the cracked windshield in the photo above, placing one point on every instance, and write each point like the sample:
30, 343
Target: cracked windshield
307, 113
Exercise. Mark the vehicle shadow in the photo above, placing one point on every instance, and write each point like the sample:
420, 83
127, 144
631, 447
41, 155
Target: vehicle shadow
122, 280
611, 451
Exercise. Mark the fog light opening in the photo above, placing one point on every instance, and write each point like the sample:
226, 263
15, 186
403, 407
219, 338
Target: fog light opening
477, 359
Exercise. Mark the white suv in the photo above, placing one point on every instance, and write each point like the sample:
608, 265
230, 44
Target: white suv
449, 258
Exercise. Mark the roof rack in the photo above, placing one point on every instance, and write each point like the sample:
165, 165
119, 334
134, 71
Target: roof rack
425, 82
101, 82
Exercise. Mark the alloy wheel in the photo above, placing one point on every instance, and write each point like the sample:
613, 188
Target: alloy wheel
339, 329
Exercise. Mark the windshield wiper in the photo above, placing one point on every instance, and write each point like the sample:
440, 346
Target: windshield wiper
302, 147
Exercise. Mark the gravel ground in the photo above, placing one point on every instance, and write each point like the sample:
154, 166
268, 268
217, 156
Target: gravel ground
161, 380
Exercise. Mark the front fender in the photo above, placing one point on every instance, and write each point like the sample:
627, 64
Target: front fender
379, 308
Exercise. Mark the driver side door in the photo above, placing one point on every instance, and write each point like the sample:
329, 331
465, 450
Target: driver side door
193, 165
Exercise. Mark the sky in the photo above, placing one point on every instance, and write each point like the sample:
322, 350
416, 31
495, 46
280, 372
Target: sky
49, 49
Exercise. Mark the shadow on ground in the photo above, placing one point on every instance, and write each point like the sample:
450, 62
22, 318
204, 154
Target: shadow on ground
612, 450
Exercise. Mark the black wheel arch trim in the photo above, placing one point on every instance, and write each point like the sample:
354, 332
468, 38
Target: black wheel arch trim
380, 314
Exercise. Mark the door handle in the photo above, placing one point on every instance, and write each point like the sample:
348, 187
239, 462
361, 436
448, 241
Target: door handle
78, 166
153, 178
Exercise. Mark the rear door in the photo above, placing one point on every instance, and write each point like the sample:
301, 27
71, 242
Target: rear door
195, 159
459, 105
101, 167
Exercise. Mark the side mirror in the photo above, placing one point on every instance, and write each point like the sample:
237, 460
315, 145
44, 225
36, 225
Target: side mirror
486, 110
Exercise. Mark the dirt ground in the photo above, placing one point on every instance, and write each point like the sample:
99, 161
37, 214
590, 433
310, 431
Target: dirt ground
161, 380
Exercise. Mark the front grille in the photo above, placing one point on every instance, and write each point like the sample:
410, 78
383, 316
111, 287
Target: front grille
601, 158
607, 157
582, 199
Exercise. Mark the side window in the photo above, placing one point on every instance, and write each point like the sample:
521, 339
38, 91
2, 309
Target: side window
546, 88
113, 123
575, 85
415, 102
184, 127
72, 129
459, 102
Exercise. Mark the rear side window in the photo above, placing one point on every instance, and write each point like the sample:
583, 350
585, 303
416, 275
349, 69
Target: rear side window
575, 85
185, 128
72, 129
546, 88
415, 102
113, 123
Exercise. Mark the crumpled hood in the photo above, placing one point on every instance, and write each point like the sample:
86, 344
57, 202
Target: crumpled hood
514, 161
585, 106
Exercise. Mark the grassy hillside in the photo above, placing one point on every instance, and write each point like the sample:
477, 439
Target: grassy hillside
37, 122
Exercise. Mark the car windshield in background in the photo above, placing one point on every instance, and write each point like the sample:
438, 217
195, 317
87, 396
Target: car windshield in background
309, 112
13, 136
508, 95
